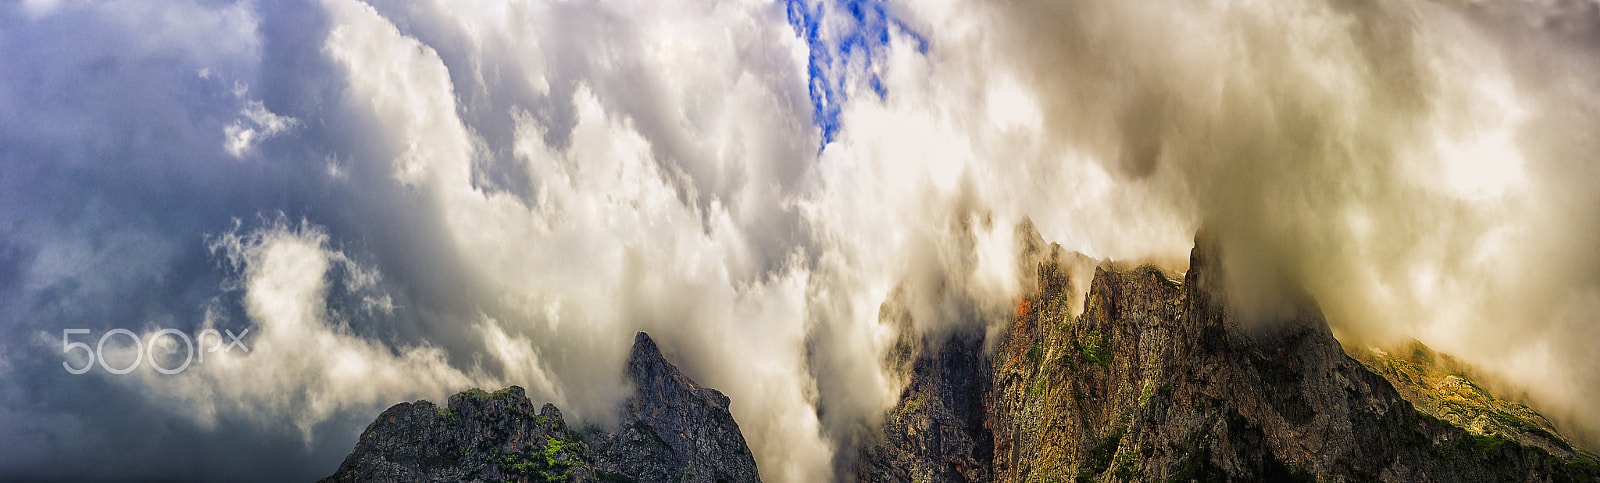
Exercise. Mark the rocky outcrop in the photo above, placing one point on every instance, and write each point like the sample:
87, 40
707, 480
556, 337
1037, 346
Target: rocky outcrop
1279, 398
1065, 384
479, 436
1164, 380
939, 431
672, 429
1442, 387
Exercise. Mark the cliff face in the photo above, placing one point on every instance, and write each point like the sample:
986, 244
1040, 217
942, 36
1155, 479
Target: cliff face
1065, 386
1162, 380
671, 430
939, 431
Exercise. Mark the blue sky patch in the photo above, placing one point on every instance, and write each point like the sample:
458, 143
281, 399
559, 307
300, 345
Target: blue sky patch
857, 37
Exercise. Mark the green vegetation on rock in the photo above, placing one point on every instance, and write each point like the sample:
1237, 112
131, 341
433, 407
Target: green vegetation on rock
1094, 350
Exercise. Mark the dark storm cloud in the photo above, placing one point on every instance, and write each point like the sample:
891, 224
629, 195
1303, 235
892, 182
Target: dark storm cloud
113, 172
117, 173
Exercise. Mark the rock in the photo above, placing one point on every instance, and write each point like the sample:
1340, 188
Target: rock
1156, 379
672, 430
480, 436
1441, 387
1162, 380
938, 431
1063, 383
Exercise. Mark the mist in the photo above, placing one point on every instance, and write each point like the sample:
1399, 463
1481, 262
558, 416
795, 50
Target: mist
402, 200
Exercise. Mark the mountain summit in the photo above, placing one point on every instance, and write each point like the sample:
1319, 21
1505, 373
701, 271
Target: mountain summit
1163, 380
672, 429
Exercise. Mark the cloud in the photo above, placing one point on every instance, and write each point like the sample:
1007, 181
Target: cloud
629, 224
256, 124
299, 364
453, 195
1397, 161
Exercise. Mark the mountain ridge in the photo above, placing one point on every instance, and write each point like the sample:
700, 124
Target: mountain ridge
672, 429
1153, 378
1162, 379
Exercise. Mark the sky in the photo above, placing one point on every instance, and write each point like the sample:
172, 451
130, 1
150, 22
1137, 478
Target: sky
387, 201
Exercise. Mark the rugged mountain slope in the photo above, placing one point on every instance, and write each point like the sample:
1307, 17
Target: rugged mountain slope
672, 430
1442, 387
939, 431
1162, 380
1065, 384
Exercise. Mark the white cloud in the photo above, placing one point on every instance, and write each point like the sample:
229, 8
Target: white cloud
301, 366
256, 124
615, 238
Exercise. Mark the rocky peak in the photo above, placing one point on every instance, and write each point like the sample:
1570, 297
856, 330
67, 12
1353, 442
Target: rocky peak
478, 436
1159, 379
671, 429
657, 380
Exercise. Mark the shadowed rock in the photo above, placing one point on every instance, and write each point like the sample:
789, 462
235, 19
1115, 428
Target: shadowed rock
671, 430
480, 436
674, 428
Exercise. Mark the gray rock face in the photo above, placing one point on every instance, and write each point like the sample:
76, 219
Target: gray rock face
672, 430
939, 432
480, 436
